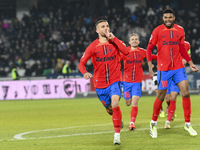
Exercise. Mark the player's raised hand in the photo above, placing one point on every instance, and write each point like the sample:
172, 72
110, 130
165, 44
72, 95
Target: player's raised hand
109, 35
194, 68
87, 75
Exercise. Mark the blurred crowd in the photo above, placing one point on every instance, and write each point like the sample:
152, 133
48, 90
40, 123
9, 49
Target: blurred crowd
50, 35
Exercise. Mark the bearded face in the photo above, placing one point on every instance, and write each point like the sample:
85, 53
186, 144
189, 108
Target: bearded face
102, 28
168, 19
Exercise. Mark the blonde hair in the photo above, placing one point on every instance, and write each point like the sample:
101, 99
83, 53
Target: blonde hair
134, 34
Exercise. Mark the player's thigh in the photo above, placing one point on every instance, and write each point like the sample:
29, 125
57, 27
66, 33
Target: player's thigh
132, 89
180, 78
164, 79
179, 75
104, 96
174, 87
183, 86
115, 94
136, 89
127, 91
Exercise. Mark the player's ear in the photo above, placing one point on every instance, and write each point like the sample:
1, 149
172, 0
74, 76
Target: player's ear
97, 31
129, 42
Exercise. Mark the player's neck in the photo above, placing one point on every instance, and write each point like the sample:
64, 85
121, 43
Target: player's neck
134, 47
103, 39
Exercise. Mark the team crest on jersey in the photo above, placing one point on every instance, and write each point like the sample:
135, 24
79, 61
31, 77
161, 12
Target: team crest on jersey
110, 49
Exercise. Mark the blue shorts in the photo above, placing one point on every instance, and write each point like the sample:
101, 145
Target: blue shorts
164, 78
132, 89
105, 94
173, 88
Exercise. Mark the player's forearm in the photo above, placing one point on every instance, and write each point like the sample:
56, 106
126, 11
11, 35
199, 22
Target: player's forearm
81, 67
150, 64
149, 52
184, 53
121, 46
190, 62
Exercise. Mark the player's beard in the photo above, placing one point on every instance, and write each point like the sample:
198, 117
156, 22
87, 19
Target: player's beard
103, 34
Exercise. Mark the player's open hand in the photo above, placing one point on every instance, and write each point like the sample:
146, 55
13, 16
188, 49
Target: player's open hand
87, 75
194, 68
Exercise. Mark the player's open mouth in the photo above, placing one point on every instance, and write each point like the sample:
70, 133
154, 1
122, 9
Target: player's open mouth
168, 23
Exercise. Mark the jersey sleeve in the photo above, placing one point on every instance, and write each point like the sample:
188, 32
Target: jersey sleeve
152, 42
86, 56
154, 37
122, 56
182, 49
121, 47
154, 57
184, 53
182, 35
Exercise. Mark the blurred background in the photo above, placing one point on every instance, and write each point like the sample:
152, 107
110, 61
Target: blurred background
39, 36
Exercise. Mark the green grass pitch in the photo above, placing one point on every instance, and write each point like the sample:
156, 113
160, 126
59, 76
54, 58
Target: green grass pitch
83, 124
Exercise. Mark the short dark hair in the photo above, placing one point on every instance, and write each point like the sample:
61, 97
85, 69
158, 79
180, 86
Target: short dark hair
168, 10
100, 21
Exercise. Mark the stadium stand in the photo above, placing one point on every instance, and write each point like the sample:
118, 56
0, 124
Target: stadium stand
49, 35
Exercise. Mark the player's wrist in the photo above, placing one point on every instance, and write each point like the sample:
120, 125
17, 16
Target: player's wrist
149, 63
190, 62
85, 73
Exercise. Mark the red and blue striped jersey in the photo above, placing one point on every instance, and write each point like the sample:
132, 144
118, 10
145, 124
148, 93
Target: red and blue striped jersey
168, 41
133, 71
106, 61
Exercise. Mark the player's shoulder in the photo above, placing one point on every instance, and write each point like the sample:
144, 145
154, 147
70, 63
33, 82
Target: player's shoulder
93, 44
159, 28
178, 27
186, 42
142, 49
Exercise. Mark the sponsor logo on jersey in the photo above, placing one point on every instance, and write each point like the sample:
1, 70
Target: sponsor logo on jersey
99, 59
97, 52
170, 43
133, 61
